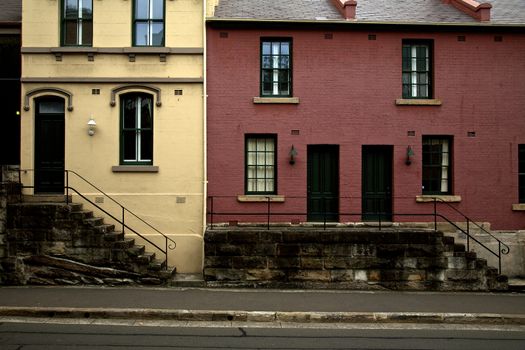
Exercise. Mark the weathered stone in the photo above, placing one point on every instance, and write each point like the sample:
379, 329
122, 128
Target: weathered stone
118, 281
311, 249
228, 249
249, 262
243, 237
261, 249
301, 236
284, 263
218, 261
288, 249
309, 275
271, 236
342, 275
224, 274
310, 263
264, 275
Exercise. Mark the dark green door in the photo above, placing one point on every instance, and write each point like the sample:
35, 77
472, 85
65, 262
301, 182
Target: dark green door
323, 183
49, 145
377, 183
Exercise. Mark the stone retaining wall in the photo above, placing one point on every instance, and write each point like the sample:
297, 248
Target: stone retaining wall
341, 258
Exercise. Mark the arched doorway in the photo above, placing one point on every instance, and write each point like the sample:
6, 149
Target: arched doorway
49, 145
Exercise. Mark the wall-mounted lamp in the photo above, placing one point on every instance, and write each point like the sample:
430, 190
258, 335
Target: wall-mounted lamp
292, 154
92, 124
410, 154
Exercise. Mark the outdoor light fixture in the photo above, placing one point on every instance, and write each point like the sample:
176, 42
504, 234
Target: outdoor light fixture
410, 154
92, 124
292, 153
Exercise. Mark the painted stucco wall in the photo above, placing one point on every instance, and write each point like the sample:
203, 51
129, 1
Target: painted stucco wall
170, 199
347, 88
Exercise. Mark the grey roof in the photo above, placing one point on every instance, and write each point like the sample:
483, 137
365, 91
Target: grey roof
392, 11
10, 11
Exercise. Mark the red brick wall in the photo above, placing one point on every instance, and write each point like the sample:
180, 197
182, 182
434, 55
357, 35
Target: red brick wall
347, 88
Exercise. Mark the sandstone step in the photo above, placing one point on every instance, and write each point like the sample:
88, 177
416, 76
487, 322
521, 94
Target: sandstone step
81, 214
114, 236
167, 273
187, 280
157, 265
145, 258
94, 221
45, 198
104, 228
124, 244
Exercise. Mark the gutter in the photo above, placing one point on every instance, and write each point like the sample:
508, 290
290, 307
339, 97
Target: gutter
215, 20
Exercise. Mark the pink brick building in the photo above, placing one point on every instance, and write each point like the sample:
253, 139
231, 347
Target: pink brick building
352, 111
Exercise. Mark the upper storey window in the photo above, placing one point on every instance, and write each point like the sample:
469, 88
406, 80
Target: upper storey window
77, 22
148, 23
276, 71
417, 69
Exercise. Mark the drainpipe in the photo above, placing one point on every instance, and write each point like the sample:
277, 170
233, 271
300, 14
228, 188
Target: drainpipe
204, 127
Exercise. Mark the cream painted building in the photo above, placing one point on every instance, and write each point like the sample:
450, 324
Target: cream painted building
135, 69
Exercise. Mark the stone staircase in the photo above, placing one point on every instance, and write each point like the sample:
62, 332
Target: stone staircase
52, 242
344, 258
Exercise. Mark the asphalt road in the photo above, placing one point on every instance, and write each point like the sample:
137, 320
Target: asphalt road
31, 336
262, 300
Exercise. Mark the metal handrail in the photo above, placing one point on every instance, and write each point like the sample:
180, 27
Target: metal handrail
170, 244
503, 249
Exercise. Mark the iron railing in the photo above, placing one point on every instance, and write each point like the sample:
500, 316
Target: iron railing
436, 213
169, 244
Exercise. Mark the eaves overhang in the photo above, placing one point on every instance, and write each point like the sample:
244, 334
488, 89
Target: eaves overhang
251, 23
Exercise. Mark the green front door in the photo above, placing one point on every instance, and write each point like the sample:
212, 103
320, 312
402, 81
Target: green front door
377, 183
49, 145
323, 183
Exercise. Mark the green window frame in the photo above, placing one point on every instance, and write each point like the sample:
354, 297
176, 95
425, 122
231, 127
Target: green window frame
261, 164
77, 22
276, 67
136, 129
148, 22
417, 69
521, 173
437, 165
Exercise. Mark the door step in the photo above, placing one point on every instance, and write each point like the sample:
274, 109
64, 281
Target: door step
45, 198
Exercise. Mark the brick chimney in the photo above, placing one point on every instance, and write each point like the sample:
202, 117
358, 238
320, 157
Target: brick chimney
346, 8
474, 9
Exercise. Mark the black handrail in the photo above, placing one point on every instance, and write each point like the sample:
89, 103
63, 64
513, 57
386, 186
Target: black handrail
503, 249
170, 244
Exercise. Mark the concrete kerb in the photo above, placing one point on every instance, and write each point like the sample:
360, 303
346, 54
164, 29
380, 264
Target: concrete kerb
264, 316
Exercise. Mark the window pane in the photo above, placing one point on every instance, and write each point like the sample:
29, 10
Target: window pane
87, 32
141, 33
276, 48
158, 9
71, 9
51, 107
266, 48
158, 34
285, 48
141, 9
146, 145
129, 144
130, 112
70, 35
267, 61
87, 9
146, 113
284, 62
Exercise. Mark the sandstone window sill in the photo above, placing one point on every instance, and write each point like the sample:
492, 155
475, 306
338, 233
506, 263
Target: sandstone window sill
135, 169
418, 102
260, 198
276, 100
442, 198
518, 207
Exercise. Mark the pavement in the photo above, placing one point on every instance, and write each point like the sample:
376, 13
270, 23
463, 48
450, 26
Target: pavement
261, 305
